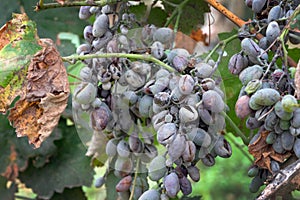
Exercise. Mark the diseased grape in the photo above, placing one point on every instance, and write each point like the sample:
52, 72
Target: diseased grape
166, 133
237, 63
222, 148
177, 147
194, 173
253, 86
275, 167
100, 117
124, 166
255, 184
250, 73
123, 149
187, 114
100, 26
258, 5
271, 138
84, 12
287, 140
186, 84
111, 147
253, 123
203, 70
289, 103
253, 171
277, 146
145, 105
265, 97
157, 50
208, 160
213, 101
200, 137
171, 184
164, 35
275, 13
294, 37
296, 147
189, 152
99, 182
157, 168
150, 195
185, 185
250, 47
273, 31
295, 122
281, 113
124, 184
242, 108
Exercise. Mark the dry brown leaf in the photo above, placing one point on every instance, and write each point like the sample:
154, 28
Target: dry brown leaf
297, 80
263, 152
37, 113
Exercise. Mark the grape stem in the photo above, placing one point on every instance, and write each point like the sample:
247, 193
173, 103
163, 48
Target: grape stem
237, 130
41, 6
239, 146
221, 44
135, 177
177, 11
145, 57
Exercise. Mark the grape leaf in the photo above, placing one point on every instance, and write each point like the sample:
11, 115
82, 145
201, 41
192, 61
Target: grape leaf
17, 45
15, 153
68, 169
295, 22
7, 193
73, 193
110, 185
192, 13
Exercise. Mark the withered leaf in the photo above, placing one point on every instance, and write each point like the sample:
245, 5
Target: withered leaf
297, 80
18, 44
263, 152
46, 94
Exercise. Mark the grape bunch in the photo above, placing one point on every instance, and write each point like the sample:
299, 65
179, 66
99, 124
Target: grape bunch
267, 99
137, 104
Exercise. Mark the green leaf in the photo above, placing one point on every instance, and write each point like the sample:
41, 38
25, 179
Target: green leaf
295, 22
73, 193
53, 21
157, 17
110, 185
69, 168
7, 193
10, 144
192, 13
19, 45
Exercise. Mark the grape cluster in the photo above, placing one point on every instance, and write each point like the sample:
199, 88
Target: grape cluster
131, 101
267, 96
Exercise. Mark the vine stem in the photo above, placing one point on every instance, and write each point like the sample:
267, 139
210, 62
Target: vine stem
44, 6
222, 43
178, 10
135, 177
145, 57
227, 13
237, 130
